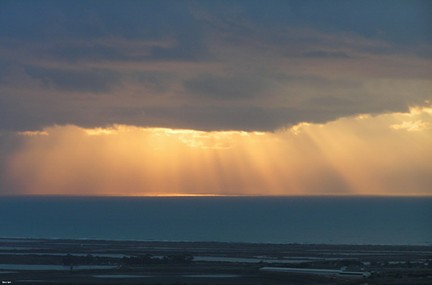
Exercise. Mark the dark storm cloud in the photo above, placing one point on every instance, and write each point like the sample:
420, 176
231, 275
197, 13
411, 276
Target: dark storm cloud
325, 54
228, 87
403, 22
209, 64
21, 114
96, 81
182, 49
51, 20
248, 118
95, 52
84, 26
187, 117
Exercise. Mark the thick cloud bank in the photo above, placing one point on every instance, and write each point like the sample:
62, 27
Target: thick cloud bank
210, 65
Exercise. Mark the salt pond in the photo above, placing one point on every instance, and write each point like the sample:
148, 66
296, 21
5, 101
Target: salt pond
248, 260
39, 267
212, 276
120, 276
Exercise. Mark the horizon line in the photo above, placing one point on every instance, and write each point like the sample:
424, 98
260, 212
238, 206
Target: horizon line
191, 195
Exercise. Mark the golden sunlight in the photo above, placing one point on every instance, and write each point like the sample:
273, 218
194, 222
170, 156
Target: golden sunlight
363, 155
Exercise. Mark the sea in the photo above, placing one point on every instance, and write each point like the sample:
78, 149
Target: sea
304, 220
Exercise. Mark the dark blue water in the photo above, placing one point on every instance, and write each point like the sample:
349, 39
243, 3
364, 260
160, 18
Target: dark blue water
335, 220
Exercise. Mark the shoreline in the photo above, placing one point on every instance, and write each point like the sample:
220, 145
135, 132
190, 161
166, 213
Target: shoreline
13, 238
95, 261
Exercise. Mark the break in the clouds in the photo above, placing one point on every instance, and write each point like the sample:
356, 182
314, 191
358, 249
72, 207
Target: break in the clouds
215, 97
210, 65
363, 155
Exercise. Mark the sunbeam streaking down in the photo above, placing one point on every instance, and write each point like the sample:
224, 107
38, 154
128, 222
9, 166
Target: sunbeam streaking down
363, 155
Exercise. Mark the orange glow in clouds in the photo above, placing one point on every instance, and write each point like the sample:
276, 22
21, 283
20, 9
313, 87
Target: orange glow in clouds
364, 155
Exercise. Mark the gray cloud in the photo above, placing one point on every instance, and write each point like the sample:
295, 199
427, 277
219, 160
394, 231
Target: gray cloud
157, 82
96, 81
128, 50
325, 54
202, 65
228, 87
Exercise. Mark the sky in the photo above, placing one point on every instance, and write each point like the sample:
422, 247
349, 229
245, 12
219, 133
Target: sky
215, 97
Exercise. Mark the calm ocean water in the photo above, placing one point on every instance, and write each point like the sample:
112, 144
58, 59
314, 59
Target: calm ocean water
333, 220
